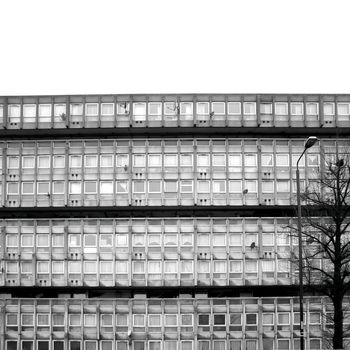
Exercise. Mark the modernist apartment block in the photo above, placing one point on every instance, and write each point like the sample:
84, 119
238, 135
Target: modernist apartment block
159, 222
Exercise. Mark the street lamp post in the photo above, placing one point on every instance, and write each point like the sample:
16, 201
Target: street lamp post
309, 143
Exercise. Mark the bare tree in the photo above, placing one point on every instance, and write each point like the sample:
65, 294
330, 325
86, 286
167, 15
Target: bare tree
326, 240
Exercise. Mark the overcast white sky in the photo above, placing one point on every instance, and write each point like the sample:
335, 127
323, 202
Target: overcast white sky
149, 46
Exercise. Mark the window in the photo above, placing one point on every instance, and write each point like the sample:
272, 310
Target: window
123, 108
312, 108
12, 188
154, 108
187, 320
57, 267
154, 160
203, 319
76, 109
236, 266
235, 160
89, 320
27, 187
90, 187
122, 240
11, 345
122, 160
43, 267
106, 161
235, 186
250, 186
59, 110
91, 109
58, 161
283, 186
28, 162
154, 186
267, 186
328, 109
75, 161
343, 108
219, 186
251, 319
202, 108
27, 319
74, 267
186, 159
43, 188
234, 108
138, 160
170, 320
43, 162
43, 319
266, 108
138, 320
170, 108
154, 320
170, 186
58, 187
282, 159
203, 160
107, 109
75, 187
296, 108
14, 111
250, 159
312, 160
170, 267
186, 108
218, 108
106, 187
219, 159
203, 187
11, 320
90, 161
29, 110
139, 111
170, 160
138, 186
281, 108
267, 159
122, 320
106, 320
13, 162
249, 108
186, 186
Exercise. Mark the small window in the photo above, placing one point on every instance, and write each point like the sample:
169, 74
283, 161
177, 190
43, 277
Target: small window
218, 108
282, 160
13, 162
27, 319
250, 186
27, 240
122, 320
123, 108
186, 186
219, 186
203, 186
106, 187
219, 320
219, 160
58, 162
328, 109
91, 109
170, 160
89, 320
267, 186
250, 160
154, 160
186, 108
74, 267
235, 160
122, 187
121, 240
42, 240
203, 160
90, 187
106, 160
11, 320
57, 187
154, 108
187, 320
44, 110
75, 161
44, 162
75, 319
14, 111
12, 188
281, 108
76, 109
312, 108
139, 111
29, 110
203, 319
170, 186
343, 108
251, 319
296, 108
138, 186
170, 320
234, 108
43, 319
57, 267
235, 319
154, 320
107, 109
60, 110
28, 162
43, 267
267, 159
236, 266
202, 108
186, 160
75, 187
43, 188
90, 161
27, 187
266, 108
139, 160
170, 108
283, 186
106, 320
138, 320
249, 108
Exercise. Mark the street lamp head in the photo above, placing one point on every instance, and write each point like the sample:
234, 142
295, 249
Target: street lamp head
310, 142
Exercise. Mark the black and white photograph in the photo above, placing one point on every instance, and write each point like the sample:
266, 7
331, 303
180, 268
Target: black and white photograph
174, 175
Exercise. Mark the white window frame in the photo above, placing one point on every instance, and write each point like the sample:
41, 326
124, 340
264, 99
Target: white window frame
343, 104
245, 104
28, 193
107, 114
45, 105
95, 157
89, 104
139, 325
213, 104
294, 104
8, 162
284, 104
40, 183
88, 182
12, 183
155, 103
28, 167
232, 103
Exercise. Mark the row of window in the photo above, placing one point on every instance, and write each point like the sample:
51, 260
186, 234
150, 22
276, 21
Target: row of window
233, 344
140, 109
203, 321
166, 160
91, 242
153, 187
156, 268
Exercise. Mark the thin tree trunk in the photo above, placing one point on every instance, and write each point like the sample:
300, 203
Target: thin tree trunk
338, 322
